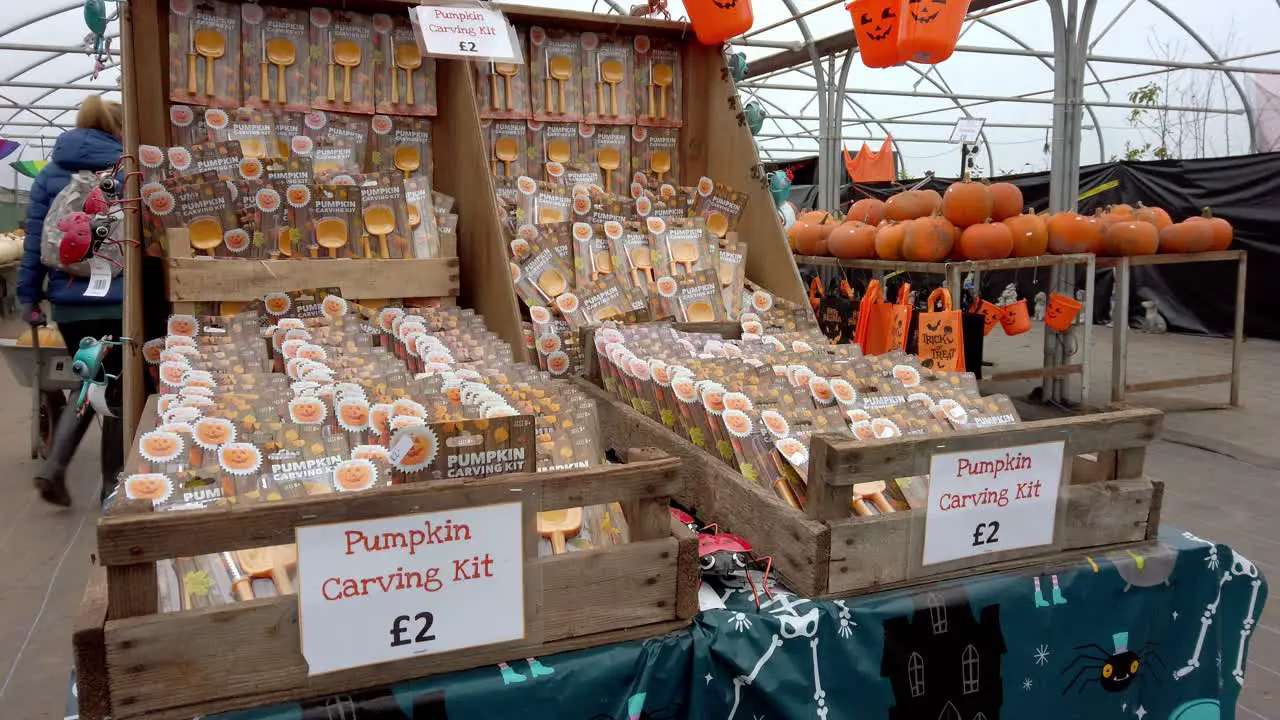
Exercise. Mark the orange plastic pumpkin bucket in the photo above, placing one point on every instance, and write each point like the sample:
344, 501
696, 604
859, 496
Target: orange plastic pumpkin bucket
930, 29
991, 315
876, 24
715, 21
1016, 320
1061, 312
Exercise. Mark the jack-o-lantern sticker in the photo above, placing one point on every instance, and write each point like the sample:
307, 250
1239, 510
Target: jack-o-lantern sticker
638, 368
761, 301
775, 423
667, 286
148, 486
308, 410
289, 348
685, 389
737, 423
333, 306
404, 407
843, 391
857, 415
884, 428
166, 401
793, 451
370, 452
951, 411
380, 418
820, 390
352, 414
752, 327
181, 413
211, 433
712, 394
174, 342
737, 401
151, 350
539, 315
354, 475
313, 352
558, 363
548, 343
160, 447
387, 316
907, 375
240, 458
413, 448
186, 325
659, 371
291, 324
277, 303
193, 390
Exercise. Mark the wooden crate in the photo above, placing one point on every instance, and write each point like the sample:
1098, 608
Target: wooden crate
133, 661
713, 142
823, 552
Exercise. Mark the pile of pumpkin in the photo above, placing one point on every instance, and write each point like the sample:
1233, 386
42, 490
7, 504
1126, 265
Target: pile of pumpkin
979, 221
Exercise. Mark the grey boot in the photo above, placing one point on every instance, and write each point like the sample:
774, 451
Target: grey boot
67, 434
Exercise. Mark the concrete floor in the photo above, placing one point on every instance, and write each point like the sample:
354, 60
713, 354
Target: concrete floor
46, 551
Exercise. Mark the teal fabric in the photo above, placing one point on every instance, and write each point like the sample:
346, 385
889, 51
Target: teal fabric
1022, 644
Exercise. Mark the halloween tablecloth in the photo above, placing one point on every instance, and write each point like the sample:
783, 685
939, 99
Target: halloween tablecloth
1162, 633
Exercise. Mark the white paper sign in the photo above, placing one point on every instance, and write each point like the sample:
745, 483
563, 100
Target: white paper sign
967, 130
372, 591
99, 278
467, 30
988, 501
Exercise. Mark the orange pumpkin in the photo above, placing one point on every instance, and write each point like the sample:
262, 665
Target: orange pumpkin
928, 239
986, 241
1116, 213
1223, 233
868, 210
811, 237
1154, 215
1074, 233
853, 240
1192, 235
889, 240
912, 204
1030, 236
1006, 201
967, 203
814, 216
1131, 238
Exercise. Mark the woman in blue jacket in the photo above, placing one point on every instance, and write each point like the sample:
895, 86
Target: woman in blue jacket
93, 145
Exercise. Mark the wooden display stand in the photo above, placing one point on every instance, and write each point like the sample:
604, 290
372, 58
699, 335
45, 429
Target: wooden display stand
714, 142
1120, 385
132, 661
823, 552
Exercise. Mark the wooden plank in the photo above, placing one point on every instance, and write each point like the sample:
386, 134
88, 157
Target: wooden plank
800, 547
853, 461
1178, 382
132, 588
134, 539
1237, 331
262, 698
1120, 332
529, 15
88, 641
585, 595
144, 43
195, 279
461, 171
1175, 258
1035, 373
688, 570
876, 553
731, 158
647, 518
1155, 515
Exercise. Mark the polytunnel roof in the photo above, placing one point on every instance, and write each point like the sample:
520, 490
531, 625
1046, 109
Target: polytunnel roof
1002, 72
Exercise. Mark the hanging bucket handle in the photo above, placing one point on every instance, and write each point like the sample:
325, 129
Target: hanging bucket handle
943, 294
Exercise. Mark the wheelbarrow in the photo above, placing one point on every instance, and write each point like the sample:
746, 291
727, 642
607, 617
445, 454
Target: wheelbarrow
47, 371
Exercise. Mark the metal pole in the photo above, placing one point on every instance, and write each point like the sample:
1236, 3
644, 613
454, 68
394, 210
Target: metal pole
988, 98
64, 49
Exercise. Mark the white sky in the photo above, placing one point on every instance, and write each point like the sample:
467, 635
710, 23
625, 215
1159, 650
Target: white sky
1232, 27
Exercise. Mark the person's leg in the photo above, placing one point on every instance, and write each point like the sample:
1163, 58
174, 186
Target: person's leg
72, 425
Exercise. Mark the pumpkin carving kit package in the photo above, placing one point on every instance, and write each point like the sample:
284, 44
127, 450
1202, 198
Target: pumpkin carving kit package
304, 393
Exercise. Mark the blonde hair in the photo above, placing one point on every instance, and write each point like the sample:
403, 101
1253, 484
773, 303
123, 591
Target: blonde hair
98, 114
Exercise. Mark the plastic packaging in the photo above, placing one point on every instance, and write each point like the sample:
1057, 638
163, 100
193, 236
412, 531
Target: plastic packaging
659, 82
275, 57
607, 79
403, 145
555, 74
204, 47
502, 89
611, 153
507, 143
406, 80
655, 152
342, 75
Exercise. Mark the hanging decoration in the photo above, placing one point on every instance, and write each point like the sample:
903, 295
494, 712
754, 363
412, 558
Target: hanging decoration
7, 148
30, 168
756, 114
876, 24
868, 166
96, 42
737, 66
780, 186
715, 21
930, 29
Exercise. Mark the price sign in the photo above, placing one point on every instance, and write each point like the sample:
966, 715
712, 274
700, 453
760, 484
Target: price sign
467, 30
967, 130
987, 501
372, 591
99, 278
